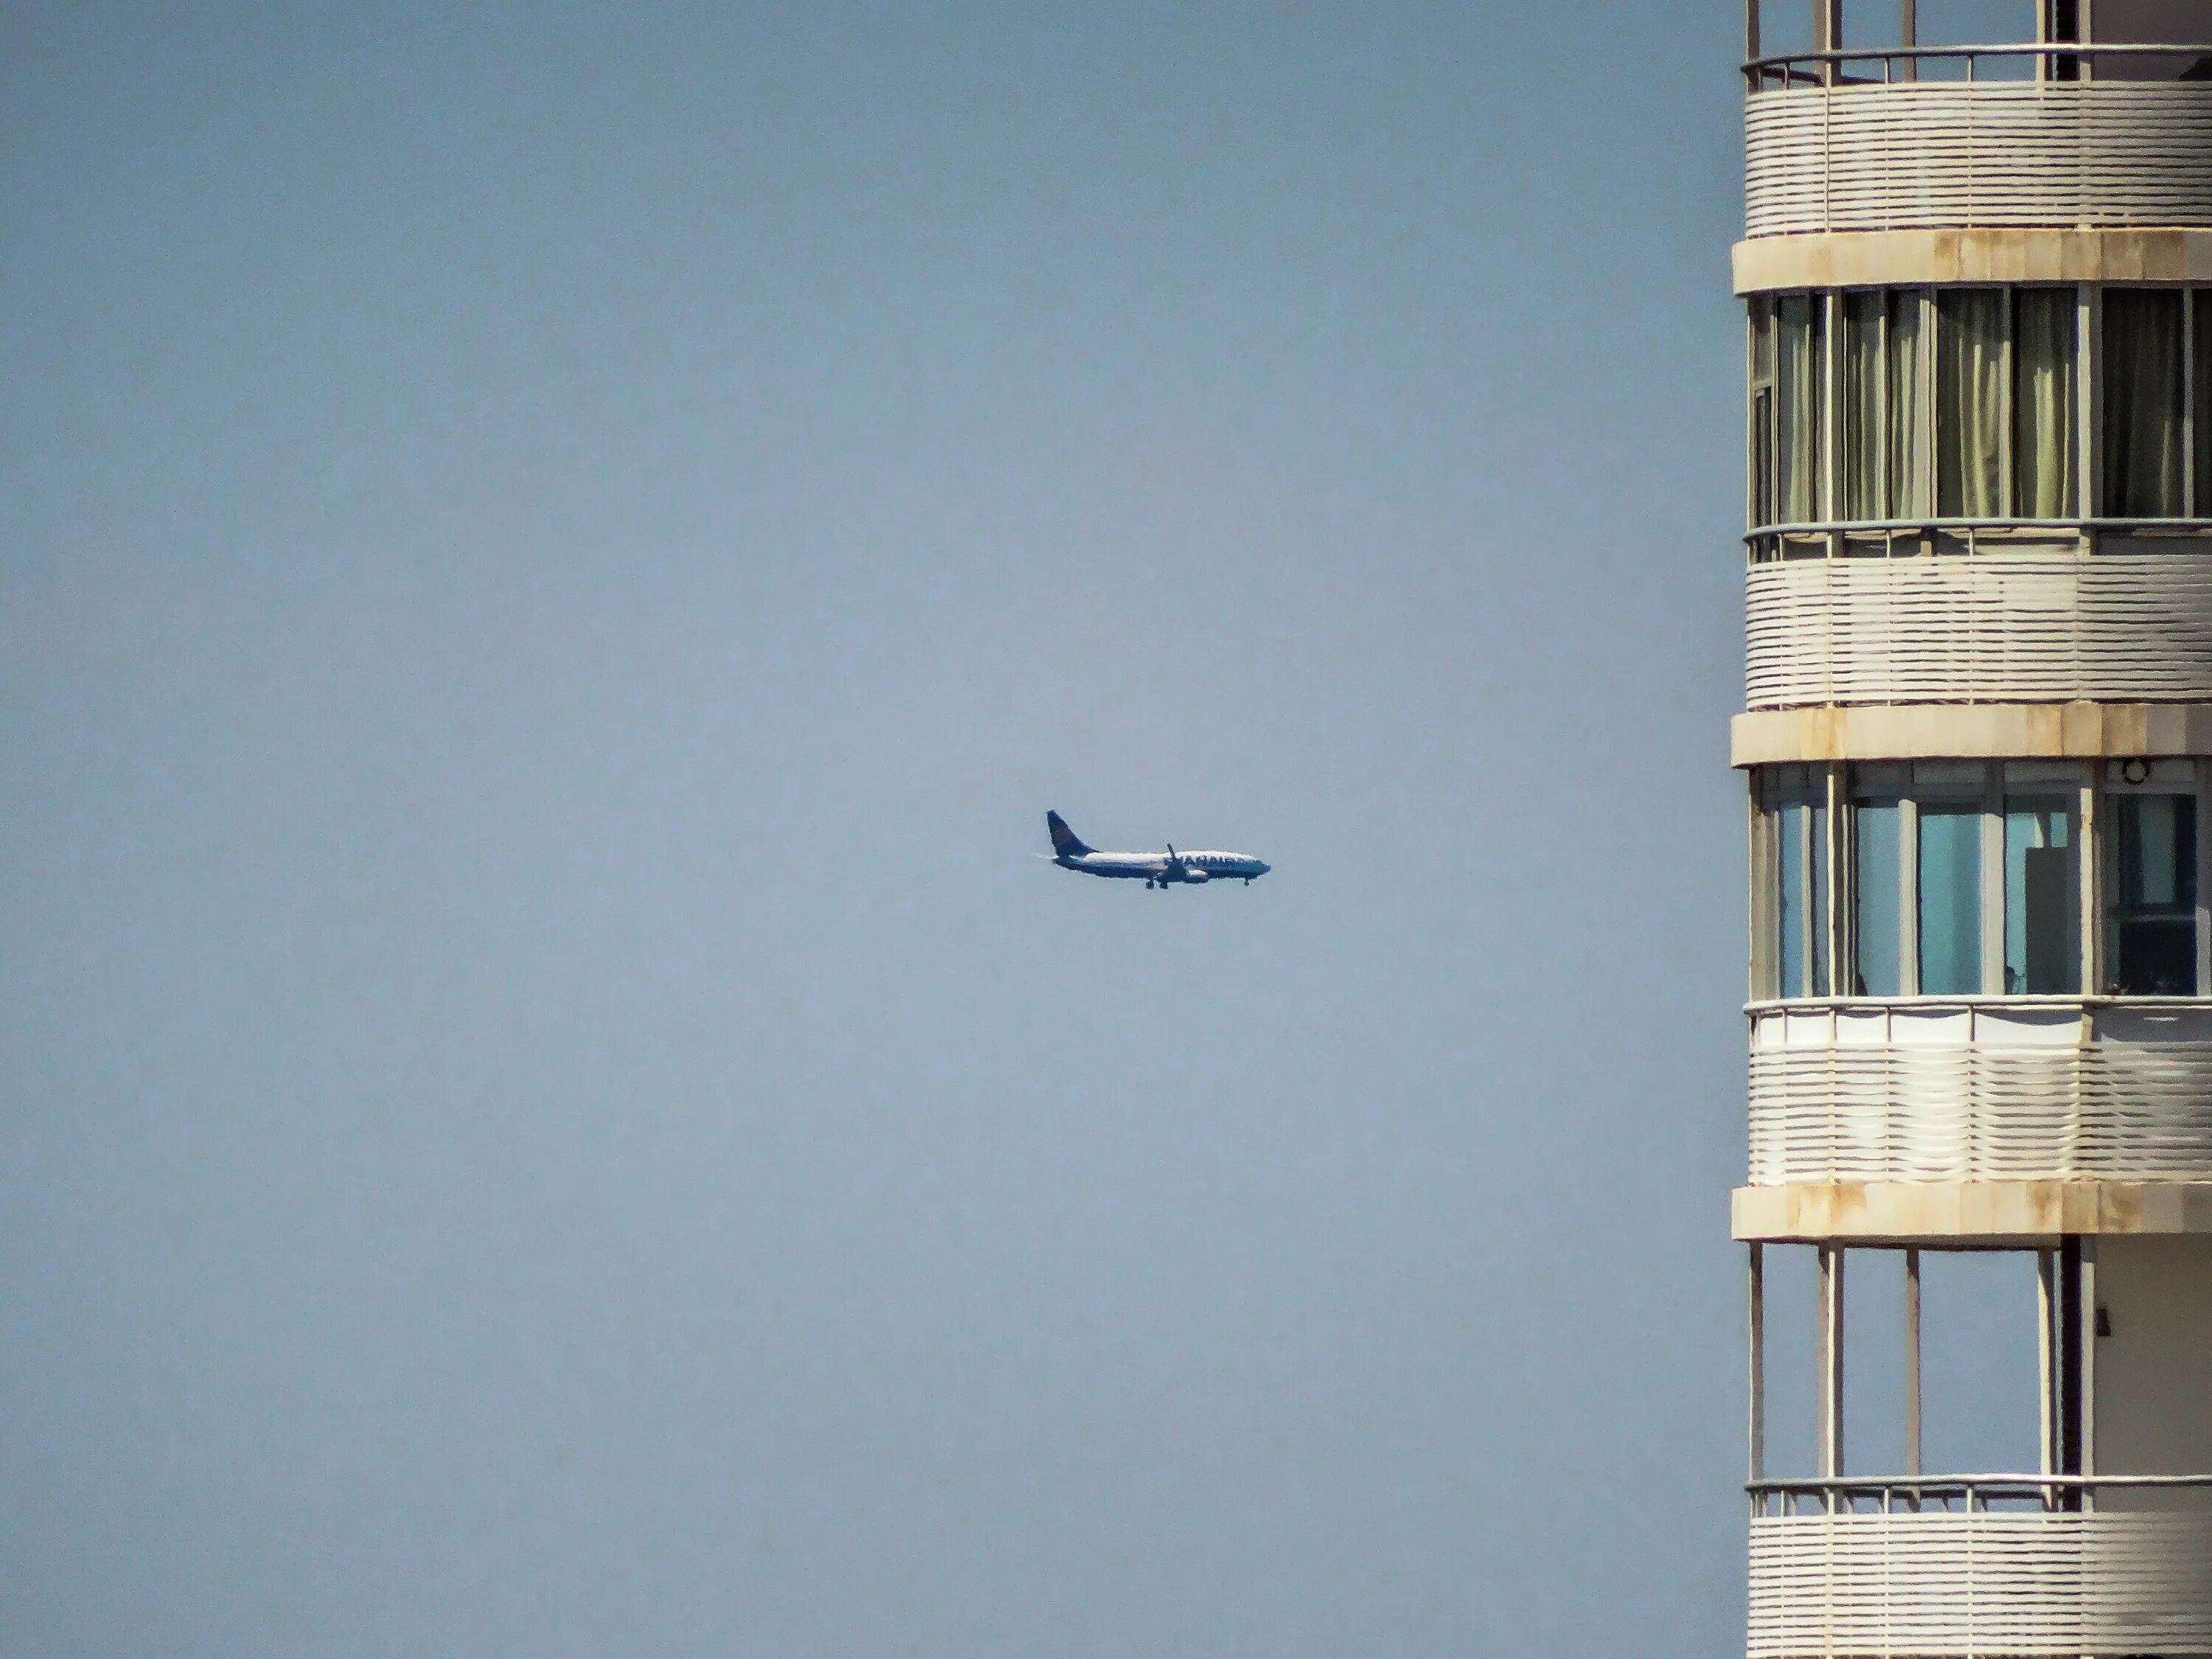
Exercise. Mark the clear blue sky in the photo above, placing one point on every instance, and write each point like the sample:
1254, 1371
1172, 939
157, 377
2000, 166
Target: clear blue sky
554, 559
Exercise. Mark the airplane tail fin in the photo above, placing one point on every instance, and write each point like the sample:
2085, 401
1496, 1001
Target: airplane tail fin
1066, 843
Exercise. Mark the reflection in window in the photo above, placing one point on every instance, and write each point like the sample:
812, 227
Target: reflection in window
1950, 894
2155, 896
2042, 897
2142, 371
1877, 863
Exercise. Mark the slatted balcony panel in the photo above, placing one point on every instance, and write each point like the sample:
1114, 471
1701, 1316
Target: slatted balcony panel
2007, 1103
2026, 1583
1991, 627
1936, 155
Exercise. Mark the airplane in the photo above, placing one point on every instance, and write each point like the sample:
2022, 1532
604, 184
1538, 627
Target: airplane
1160, 870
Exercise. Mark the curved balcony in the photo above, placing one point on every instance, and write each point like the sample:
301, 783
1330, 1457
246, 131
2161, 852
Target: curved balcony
2028, 626
1919, 1577
2045, 1089
1838, 141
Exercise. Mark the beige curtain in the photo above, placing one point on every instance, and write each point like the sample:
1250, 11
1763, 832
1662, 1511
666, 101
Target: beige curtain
2204, 328
2142, 425
1970, 413
1797, 353
1862, 430
1911, 457
2045, 421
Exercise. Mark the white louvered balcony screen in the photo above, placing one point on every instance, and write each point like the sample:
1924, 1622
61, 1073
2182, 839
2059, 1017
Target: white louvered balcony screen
1933, 156
1893, 1095
1982, 1583
1979, 628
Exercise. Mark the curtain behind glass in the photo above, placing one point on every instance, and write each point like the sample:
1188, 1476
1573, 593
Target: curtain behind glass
2141, 424
1970, 415
2203, 326
1862, 430
1912, 470
1797, 409
2043, 420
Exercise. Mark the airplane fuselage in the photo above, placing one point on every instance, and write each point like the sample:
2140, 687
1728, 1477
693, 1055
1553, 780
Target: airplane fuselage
1158, 869
1161, 870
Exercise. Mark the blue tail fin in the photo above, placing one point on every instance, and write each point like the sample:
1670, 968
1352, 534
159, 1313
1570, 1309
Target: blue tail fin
1066, 843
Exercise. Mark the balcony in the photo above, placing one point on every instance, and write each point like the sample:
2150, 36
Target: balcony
1919, 1577
2043, 1090
2024, 625
1853, 141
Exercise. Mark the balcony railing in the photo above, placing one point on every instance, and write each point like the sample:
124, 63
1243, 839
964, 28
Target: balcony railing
2025, 1089
1981, 1578
2006, 62
2028, 625
1873, 140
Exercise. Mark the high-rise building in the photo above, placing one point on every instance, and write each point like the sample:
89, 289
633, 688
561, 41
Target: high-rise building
1977, 274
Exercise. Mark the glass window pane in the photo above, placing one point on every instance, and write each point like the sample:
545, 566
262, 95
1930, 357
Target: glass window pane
1877, 864
2155, 897
2142, 419
1911, 457
1798, 408
1801, 897
1970, 399
2042, 896
1950, 890
2204, 400
1864, 429
2045, 424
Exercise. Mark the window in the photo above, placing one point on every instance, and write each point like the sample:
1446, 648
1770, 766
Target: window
2043, 895
1950, 881
1958, 403
1794, 827
1788, 361
2153, 909
2144, 369
1877, 866
1970, 325
1966, 879
2201, 401
1884, 433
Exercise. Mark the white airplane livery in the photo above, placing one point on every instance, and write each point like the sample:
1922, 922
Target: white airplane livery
1160, 870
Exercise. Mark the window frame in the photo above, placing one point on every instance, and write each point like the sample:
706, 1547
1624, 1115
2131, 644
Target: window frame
2088, 492
1842, 790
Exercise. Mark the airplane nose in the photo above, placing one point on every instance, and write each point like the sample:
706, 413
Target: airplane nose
1265, 866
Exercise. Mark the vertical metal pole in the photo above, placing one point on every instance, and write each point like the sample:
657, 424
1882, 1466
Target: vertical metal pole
1908, 35
1757, 1313
1831, 1360
1827, 34
1751, 32
1913, 1362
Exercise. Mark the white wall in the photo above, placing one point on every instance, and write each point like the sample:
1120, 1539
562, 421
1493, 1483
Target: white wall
2154, 1371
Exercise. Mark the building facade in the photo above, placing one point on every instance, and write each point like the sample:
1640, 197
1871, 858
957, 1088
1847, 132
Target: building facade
1977, 279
